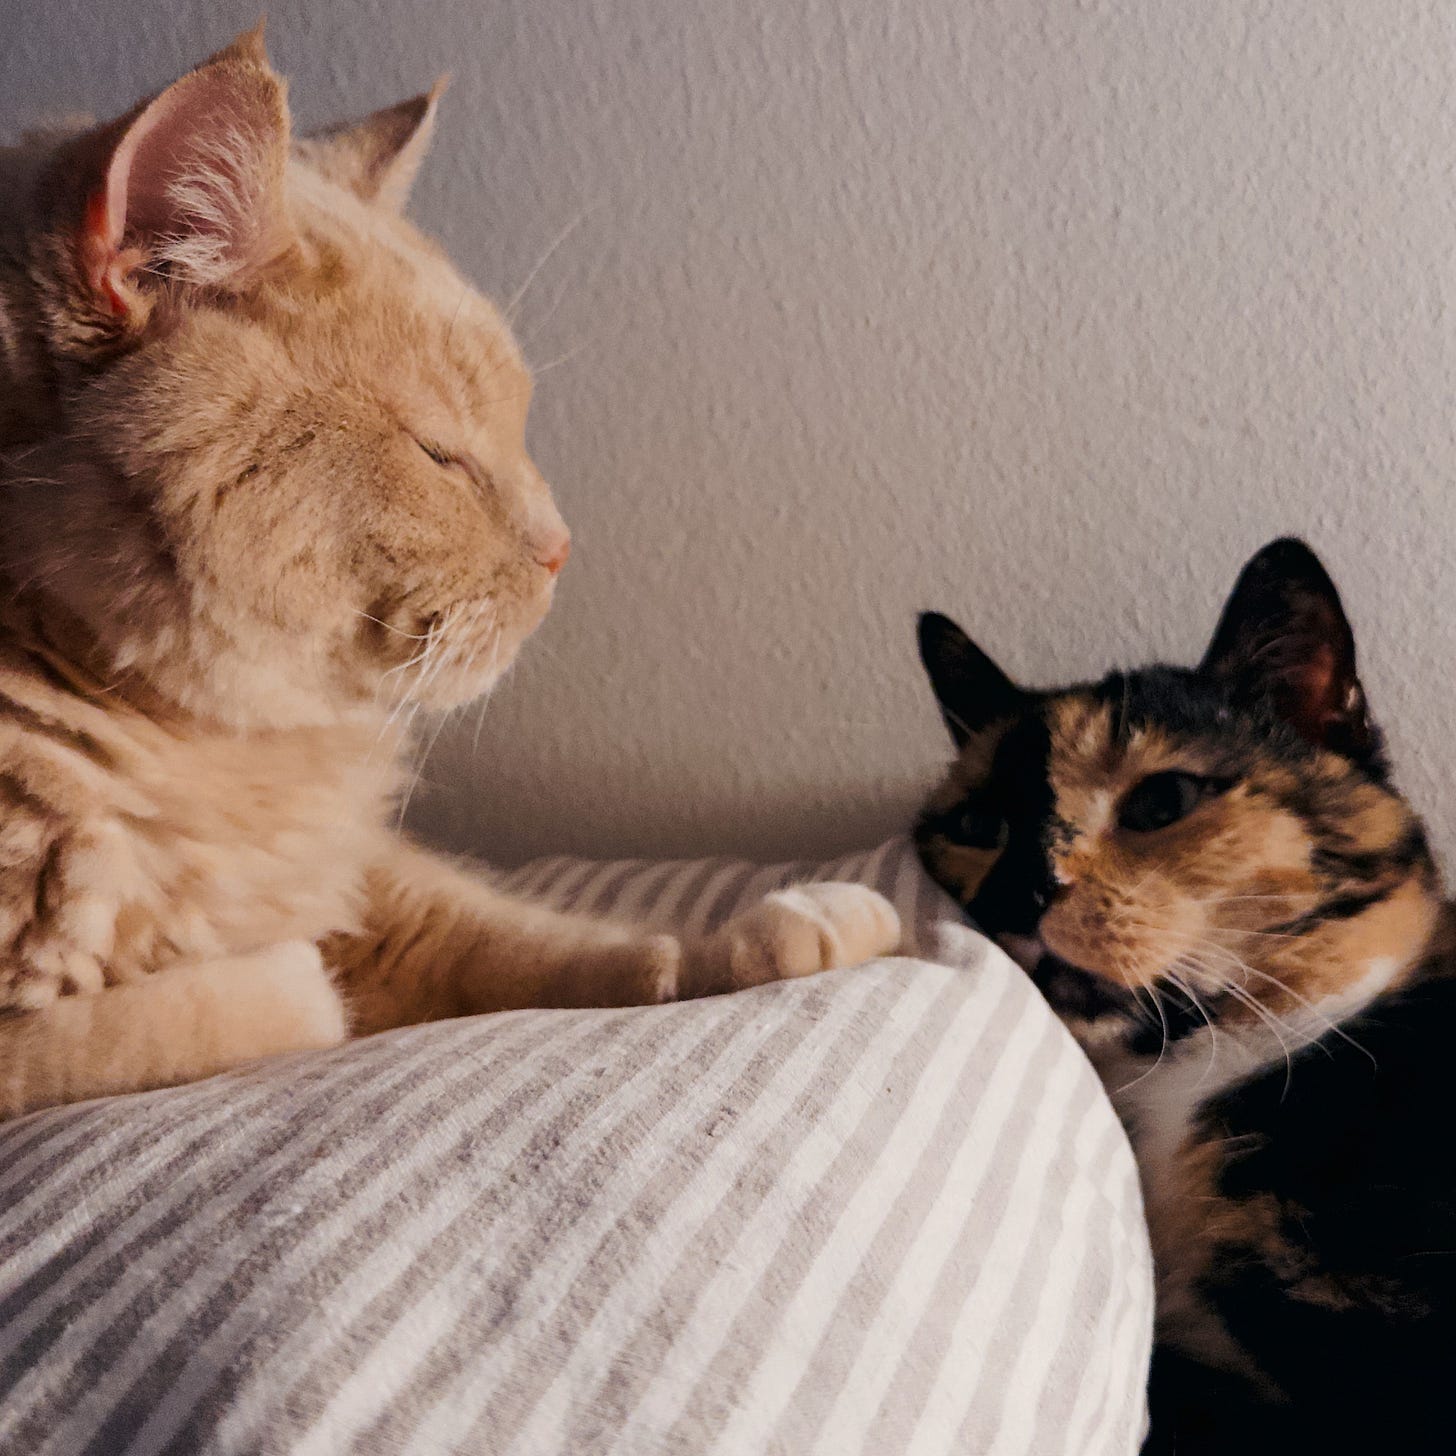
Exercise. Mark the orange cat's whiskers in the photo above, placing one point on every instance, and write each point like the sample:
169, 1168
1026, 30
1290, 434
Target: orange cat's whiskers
455, 623
483, 701
398, 631
435, 656
419, 657
518, 297
480, 708
539, 369
540, 324
402, 687
455, 317
425, 662
458, 649
422, 757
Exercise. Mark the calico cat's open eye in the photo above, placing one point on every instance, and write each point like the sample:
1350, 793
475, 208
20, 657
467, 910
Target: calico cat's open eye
1162, 799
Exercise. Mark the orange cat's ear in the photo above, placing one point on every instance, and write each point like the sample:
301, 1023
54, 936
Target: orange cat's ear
377, 157
186, 189
250, 47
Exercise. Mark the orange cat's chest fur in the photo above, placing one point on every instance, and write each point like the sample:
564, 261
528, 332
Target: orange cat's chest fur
126, 848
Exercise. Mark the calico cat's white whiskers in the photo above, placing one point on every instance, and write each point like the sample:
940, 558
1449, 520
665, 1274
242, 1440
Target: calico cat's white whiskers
1195, 1001
1327, 1024
1281, 896
1181, 957
1215, 962
1163, 1046
1211, 964
1276, 1027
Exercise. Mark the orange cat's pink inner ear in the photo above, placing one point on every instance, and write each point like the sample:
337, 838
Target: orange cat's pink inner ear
193, 186
101, 260
108, 267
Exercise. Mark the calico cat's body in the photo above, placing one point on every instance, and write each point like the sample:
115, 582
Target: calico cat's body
1211, 878
264, 493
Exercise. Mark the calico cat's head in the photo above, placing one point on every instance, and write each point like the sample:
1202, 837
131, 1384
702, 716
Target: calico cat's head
1172, 843
262, 448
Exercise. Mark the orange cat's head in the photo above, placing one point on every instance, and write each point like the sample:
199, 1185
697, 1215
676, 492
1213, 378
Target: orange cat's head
263, 453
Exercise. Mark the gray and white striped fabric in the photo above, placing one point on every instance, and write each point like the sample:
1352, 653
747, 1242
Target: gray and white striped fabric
882, 1211
692, 896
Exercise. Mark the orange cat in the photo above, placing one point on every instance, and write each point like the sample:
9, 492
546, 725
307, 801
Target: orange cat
264, 492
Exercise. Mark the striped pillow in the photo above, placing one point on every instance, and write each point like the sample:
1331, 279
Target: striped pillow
692, 896
882, 1211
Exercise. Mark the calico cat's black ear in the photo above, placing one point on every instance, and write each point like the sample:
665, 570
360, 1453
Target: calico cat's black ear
1284, 637
972, 691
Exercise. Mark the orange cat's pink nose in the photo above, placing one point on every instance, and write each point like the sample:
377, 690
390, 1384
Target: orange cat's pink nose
553, 555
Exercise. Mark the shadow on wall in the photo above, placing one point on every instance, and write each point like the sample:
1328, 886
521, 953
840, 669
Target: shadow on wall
624, 809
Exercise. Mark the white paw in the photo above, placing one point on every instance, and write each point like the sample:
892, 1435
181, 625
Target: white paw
795, 932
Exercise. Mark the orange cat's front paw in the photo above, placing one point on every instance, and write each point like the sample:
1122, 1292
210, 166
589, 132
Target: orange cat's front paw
306, 1011
795, 932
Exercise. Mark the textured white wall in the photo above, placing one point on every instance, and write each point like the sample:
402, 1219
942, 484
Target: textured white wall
1043, 313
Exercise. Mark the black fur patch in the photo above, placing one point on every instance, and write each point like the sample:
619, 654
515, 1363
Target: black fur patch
1354, 1321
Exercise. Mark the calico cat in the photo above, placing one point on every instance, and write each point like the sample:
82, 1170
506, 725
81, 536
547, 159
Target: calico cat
1212, 879
264, 494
